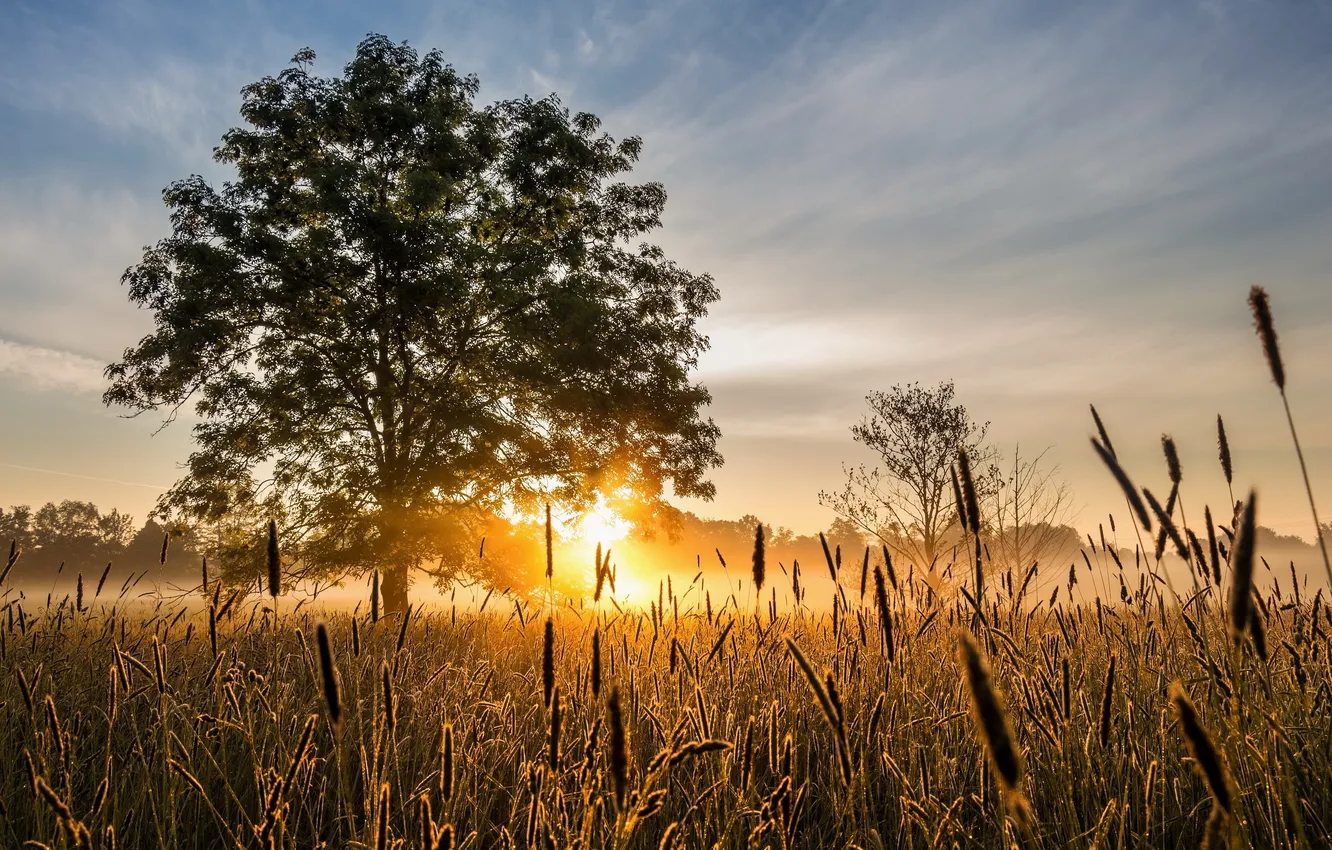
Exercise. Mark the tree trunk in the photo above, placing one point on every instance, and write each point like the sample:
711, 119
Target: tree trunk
394, 589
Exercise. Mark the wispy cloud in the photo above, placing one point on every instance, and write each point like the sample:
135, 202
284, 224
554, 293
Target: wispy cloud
147, 75
82, 477
48, 369
63, 246
965, 153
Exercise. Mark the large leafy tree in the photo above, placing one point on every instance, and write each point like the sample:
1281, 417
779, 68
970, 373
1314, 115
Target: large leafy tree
408, 311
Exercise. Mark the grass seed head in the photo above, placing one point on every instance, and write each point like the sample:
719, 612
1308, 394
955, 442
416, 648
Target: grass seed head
1206, 757
447, 767
1172, 458
1241, 569
759, 565
1130, 492
274, 561
329, 674
619, 748
988, 712
969, 491
548, 662
1223, 450
1262, 320
1107, 702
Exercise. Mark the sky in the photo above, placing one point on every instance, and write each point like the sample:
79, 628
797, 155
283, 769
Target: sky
1051, 204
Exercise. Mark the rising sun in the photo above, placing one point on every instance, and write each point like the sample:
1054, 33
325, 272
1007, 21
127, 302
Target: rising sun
602, 525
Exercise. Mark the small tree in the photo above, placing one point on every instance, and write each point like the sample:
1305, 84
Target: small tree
1031, 513
906, 500
408, 312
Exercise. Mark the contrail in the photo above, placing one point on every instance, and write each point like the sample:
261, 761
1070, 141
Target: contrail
85, 477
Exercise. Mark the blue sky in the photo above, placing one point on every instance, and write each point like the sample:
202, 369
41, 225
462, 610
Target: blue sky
1053, 204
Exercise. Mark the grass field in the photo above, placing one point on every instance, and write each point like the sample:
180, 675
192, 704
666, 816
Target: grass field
143, 729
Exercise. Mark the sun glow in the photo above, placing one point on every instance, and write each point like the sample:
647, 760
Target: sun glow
602, 525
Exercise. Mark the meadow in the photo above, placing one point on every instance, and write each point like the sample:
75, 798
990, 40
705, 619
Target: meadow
596, 728
1001, 711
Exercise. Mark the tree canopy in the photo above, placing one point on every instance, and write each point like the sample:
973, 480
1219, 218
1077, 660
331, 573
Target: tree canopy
408, 312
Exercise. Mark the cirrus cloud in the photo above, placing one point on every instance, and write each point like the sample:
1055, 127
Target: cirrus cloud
49, 369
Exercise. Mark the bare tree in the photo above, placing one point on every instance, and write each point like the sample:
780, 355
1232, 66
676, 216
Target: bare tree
906, 499
1031, 514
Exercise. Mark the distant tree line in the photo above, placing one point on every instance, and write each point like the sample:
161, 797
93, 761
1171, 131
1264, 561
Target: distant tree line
74, 536
60, 540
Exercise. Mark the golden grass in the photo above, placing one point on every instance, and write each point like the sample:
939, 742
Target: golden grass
448, 720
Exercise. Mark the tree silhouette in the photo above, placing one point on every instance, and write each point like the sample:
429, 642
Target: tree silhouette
906, 499
1030, 514
409, 312
83, 538
77, 534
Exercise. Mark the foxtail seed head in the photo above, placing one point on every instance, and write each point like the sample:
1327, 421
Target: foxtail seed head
1262, 320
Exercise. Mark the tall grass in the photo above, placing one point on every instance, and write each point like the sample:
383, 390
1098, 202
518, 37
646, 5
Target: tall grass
129, 719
